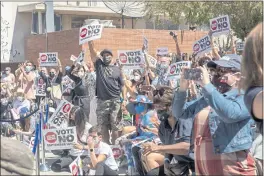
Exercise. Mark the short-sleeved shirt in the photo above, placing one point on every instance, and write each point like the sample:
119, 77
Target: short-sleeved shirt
181, 133
105, 149
108, 86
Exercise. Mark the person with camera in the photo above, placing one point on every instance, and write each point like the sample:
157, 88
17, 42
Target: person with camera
252, 83
100, 153
175, 135
222, 129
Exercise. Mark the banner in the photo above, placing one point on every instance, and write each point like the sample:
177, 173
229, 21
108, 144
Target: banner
60, 139
202, 45
152, 61
162, 51
40, 86
131, 59
90, 32
76, 167
220, 25
67, 84
240, 46
59, 118
176, 69
48, 59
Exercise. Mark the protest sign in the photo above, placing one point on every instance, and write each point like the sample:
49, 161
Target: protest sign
152, 61
76, 167
162, 51
131, 59
60, 139
59, 118
240, 46
220, 25
73, 58
202, 45
48, 59
90, 32
40, 86
145, 43
176, 69
80, 58
67, 83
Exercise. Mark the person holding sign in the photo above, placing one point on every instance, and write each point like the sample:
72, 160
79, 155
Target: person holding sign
109, 85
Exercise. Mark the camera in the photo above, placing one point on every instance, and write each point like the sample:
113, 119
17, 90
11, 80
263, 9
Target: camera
173, 34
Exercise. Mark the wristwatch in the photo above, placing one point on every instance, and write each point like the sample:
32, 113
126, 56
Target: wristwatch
91, 150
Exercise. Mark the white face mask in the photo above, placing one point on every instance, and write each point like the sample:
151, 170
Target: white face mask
4, 101
20, 98
137, 78
81, 74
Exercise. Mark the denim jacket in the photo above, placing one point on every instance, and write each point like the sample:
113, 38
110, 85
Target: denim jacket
229, 121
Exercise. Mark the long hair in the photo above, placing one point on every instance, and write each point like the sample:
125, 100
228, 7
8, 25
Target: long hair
251, 66
80, 121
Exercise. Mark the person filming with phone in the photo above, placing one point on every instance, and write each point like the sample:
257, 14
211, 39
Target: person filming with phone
222, 130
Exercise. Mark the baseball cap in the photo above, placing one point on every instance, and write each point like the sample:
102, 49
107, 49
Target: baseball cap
106, 51
227, 61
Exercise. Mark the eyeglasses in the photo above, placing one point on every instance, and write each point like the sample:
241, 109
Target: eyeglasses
159, 92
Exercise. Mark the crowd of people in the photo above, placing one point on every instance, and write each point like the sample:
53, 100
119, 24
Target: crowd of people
210, 125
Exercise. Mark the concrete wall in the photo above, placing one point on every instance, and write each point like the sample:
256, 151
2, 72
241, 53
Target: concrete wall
66, 43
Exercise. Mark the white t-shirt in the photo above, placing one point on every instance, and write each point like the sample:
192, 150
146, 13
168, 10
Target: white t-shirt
106, 150
18, 104
77, 152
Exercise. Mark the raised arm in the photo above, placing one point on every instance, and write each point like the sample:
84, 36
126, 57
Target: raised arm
93, 52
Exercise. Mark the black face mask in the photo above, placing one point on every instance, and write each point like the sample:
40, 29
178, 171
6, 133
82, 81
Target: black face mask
222, 87
52, 74
163, 114
107, 60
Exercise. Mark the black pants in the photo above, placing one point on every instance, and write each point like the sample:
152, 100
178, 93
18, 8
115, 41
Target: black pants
62, 165
137, 159
103, 169
159, 171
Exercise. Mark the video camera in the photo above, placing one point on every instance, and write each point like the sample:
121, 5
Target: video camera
173, 34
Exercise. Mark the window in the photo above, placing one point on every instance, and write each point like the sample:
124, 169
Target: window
57, 22
78, 21
78, 3
34, 27
89, 3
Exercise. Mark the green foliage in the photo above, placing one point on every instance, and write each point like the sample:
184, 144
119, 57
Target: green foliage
244, 15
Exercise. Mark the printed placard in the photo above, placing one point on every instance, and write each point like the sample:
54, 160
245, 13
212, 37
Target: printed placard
60, 117
90, 32
240, 46
40, 86
48, 59
73, 58
131, 59
67, 84
220, 25
176, 69
76, 167
202, 45
162, 51
152, 61
80, 58
60, 139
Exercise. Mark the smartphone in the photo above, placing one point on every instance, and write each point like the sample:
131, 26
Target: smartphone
193, 74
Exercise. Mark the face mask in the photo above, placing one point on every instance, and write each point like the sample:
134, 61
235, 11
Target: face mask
221, 84
81, 74
163, 114
20, 99
52, 74
28, 69
4, 101
107, 60
139, 109
164, 66
7, 72
137, 78
96, 140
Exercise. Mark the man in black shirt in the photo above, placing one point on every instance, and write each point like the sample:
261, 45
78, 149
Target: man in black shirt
109, 85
